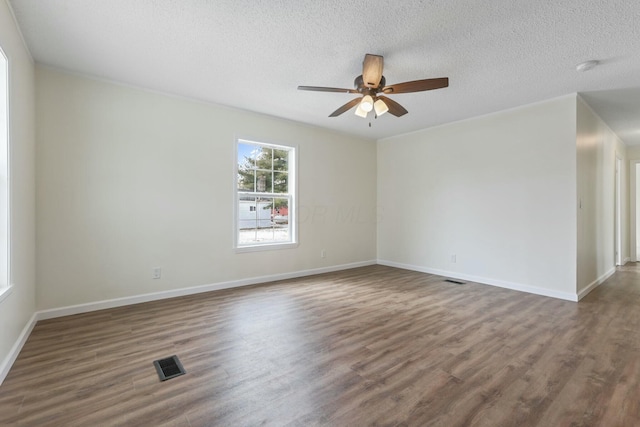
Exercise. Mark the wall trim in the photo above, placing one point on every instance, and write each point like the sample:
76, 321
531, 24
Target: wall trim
8, 361
599, 281
136, 299
485, 281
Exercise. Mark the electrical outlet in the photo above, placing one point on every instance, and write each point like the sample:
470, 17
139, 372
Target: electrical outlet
156, 273
323, 253
453, 258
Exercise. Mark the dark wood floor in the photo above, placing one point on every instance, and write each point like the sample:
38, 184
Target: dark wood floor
369, 346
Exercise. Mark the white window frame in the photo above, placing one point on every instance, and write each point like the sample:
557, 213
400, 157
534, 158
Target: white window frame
5, 282
291, 195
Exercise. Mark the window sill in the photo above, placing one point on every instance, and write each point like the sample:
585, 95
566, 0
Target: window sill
266, 247
5, 292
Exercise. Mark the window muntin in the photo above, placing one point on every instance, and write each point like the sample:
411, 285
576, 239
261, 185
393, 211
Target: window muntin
265, 182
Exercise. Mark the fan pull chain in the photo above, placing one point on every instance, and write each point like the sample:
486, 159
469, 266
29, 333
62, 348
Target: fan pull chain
375, 116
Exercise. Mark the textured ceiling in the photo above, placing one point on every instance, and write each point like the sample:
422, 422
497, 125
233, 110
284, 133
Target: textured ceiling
252, 54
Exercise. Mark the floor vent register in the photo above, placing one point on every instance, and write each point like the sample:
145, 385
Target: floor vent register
169, 368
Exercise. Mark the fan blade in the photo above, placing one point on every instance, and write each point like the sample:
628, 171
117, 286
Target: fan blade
394, 108
372, 70
327, 89
417, 85
349, 105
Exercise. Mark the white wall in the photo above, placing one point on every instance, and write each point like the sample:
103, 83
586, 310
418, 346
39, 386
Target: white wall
129, 180
497, 191
597, 147
19, 306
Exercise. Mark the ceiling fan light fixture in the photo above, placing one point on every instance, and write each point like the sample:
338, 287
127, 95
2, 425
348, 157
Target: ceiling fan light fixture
371, 86
367, 103
380, 107
360, 112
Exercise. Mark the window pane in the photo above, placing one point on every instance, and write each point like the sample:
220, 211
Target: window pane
281, 228
280, 211
247, 213
263, 182
265, 158
246, 154
246, 180
246, 167
280, 160
280, 182
263, 212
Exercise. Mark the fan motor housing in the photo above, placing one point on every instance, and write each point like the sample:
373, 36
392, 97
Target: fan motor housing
358, 84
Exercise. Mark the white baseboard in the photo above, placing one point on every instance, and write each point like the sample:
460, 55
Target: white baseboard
136, 299
485, 281
596, 283
7, 363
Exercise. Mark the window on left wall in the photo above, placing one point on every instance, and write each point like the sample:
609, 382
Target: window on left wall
4, 174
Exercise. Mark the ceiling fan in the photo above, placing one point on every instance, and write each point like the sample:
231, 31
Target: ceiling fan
372, 87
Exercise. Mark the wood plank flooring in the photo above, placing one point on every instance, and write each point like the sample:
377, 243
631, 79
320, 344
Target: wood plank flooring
369, 346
